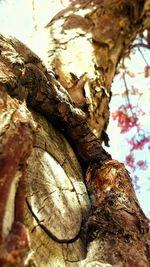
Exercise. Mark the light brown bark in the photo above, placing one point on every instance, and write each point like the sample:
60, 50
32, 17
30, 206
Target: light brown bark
68, 226
86, 42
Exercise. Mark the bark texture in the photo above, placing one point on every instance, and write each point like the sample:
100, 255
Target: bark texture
57, 201
16, 131
86, 42
66, 225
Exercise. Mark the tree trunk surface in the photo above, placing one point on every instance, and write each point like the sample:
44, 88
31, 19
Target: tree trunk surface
55, 211
86, 42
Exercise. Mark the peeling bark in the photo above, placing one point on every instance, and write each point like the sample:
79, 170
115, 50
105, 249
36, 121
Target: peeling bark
86, 42
67, 226
117, 221
16, 130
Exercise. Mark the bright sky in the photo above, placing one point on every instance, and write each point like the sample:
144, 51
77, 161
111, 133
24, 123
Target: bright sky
17, 19
119, 147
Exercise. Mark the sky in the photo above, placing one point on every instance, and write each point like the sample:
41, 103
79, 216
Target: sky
119, 147
18, 19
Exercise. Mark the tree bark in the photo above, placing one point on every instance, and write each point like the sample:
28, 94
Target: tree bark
86, 42
75, 216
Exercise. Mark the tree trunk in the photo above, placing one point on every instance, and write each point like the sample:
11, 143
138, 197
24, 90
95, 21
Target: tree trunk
76, 214
86, 42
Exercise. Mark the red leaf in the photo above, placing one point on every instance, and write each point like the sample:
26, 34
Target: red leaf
142, 164
130, 161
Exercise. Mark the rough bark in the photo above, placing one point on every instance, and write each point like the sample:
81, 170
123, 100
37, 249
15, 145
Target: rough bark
67, 226
86, 42
16, 131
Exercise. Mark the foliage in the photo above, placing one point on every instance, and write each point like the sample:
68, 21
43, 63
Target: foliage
129, 116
